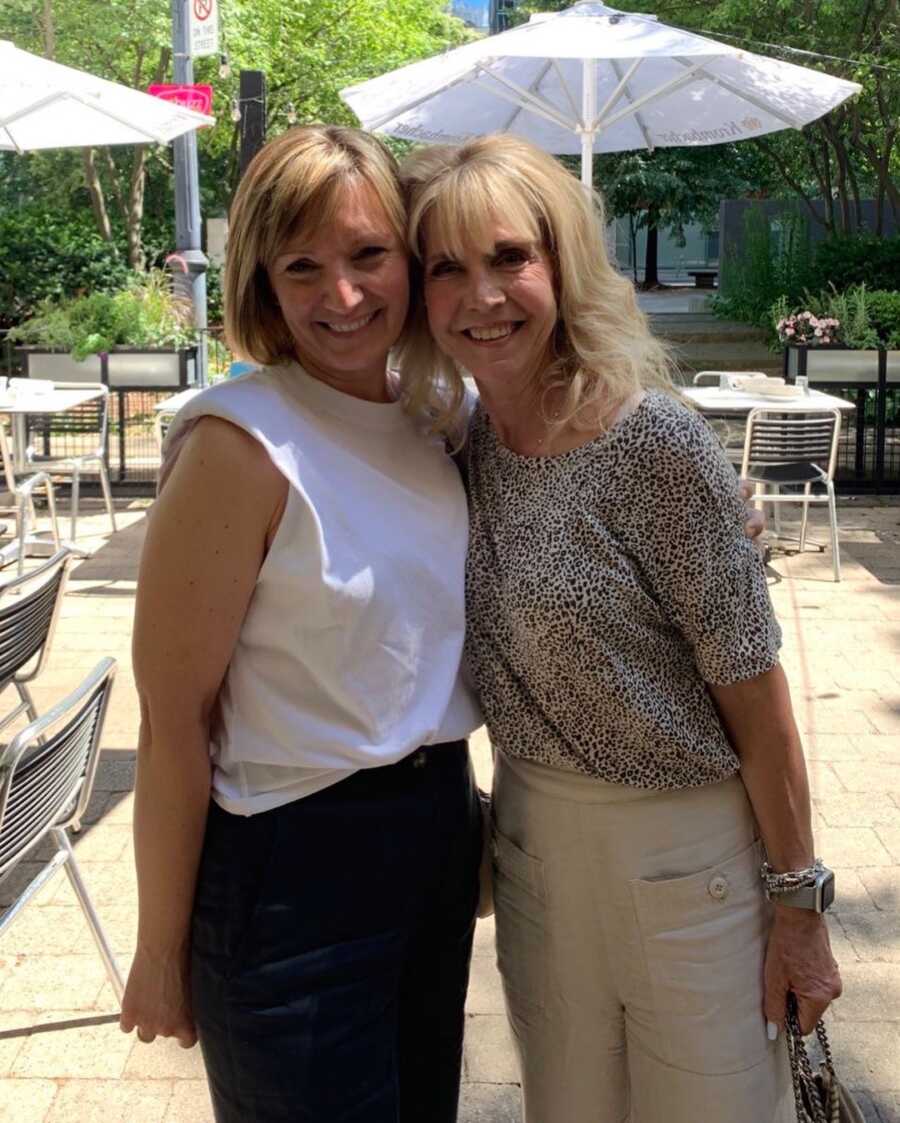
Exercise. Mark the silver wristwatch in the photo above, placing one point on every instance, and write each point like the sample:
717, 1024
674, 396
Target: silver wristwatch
811, 888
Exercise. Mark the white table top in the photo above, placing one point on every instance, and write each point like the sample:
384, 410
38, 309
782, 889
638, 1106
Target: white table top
49, 401
712, 399
176, 401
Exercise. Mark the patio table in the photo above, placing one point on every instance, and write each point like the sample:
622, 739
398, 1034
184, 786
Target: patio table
174, 403
18, 401
714, 399
21, 401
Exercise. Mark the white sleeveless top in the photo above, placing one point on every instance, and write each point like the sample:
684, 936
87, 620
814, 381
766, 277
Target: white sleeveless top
349, 655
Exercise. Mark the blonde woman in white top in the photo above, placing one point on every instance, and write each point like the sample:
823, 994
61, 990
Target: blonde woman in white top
307, 830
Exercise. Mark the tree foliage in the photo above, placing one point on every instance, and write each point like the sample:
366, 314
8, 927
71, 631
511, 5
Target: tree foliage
854, 151
311, 49
308, 50
850, 154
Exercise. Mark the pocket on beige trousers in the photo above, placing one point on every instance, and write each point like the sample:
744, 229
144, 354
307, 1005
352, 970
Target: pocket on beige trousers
519, 902
704, 937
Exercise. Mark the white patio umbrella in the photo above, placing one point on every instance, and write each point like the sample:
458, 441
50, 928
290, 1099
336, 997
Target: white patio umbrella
592, 79
46, 105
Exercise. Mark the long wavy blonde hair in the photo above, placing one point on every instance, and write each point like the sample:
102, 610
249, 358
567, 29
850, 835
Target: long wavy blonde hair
602, 351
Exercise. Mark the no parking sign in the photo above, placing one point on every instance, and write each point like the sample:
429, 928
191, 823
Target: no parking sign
203, 28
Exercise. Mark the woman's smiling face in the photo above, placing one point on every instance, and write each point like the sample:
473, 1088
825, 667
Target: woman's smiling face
343, 290
492, 307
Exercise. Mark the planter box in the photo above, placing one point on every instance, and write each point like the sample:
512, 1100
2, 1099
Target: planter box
841, 365
124, 368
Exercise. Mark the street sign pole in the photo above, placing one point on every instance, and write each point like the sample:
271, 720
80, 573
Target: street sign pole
190, 278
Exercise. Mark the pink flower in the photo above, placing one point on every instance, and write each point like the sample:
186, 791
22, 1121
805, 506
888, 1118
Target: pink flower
789, 331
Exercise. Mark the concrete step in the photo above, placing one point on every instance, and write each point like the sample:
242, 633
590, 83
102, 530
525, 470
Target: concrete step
732, 356
702, 342
703, 328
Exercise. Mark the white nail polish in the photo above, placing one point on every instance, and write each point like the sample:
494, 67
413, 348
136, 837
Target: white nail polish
771, 1031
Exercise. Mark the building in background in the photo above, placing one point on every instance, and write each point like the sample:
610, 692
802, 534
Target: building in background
486, 16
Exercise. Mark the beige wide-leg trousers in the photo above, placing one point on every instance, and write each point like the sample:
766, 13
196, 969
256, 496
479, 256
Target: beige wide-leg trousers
631, 932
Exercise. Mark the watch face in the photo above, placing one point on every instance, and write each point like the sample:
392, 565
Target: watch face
827, 891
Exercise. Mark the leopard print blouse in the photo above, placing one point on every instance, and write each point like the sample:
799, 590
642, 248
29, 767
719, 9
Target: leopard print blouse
604, 588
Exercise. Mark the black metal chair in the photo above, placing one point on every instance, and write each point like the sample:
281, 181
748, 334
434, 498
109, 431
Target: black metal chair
29, 610
794, 450
46, 775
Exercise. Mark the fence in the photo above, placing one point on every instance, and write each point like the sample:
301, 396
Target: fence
133, 454
869, 451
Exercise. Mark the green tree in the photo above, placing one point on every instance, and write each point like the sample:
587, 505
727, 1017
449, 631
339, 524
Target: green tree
123, 40
669, 188
852, 151
308, 49
846, 155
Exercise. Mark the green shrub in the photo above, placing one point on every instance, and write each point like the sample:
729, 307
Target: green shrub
884, 313
49, 256
214, 309
144, 314
861, 260
772, 263
867, 319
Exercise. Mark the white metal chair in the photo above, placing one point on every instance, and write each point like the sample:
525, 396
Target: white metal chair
714, 377
45, 785
791, 450
29, 611
87, 420
729, 432
17, 502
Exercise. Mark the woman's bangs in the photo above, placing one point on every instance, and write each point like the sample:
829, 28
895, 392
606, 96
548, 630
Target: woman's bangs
299, 208
465, 214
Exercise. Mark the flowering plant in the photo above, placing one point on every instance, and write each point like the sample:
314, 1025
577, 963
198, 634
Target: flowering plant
806, 327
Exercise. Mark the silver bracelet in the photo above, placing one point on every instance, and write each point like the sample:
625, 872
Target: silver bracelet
787, 882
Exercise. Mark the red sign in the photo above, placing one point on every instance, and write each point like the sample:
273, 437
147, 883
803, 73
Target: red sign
198, 98
203, 9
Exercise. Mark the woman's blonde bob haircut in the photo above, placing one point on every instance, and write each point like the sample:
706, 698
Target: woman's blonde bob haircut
294, 185
603, 350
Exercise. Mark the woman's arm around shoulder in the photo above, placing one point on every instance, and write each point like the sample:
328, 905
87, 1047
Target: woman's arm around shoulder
206, 540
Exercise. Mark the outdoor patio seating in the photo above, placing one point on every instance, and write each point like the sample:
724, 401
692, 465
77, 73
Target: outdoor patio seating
29, 610
85, 426
781, 451
47, 774
730, 431
17, 503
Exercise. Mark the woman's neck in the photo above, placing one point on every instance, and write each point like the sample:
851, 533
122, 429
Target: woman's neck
526, 419
370, 385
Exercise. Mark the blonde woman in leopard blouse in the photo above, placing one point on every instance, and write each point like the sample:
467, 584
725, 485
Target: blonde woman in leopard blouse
622, 641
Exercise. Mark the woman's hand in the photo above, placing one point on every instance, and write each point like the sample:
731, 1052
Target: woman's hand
754, 520
158, 999
799, 959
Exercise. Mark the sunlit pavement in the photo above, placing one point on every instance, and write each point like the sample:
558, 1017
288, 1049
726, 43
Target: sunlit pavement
62, 1056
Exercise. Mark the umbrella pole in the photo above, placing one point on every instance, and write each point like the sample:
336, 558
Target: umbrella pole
588, 113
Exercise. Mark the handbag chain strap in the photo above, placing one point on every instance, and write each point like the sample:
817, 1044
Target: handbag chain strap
807, 1094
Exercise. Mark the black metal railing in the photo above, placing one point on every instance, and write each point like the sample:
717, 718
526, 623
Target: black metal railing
869, 450
133, 455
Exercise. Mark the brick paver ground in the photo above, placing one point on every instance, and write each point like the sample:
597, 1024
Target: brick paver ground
62, 1057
